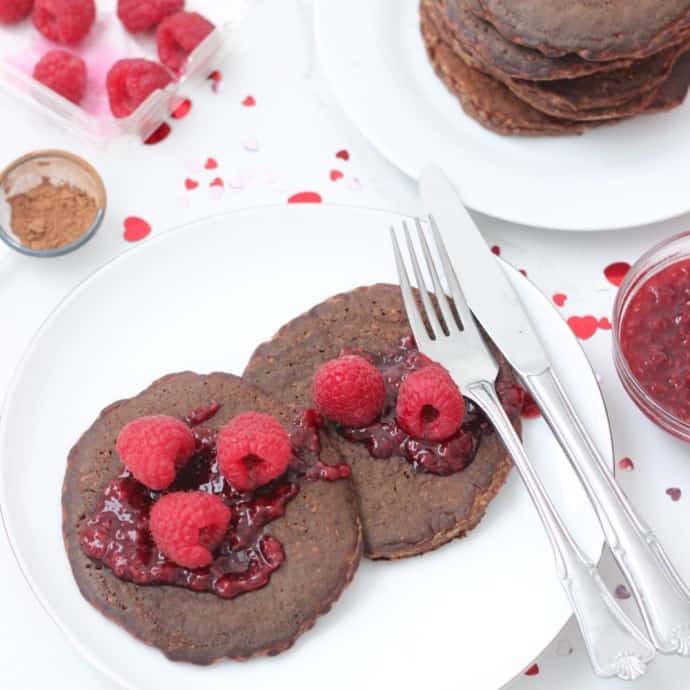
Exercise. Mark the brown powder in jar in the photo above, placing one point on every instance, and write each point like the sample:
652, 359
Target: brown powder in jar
50, 216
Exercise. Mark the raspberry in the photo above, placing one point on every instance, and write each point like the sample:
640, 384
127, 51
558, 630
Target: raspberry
142, 15
64, 21
131, 82
253, 449
349, 390
154, 448
430, 406
12, 11
187, 526
64, 73
178, 35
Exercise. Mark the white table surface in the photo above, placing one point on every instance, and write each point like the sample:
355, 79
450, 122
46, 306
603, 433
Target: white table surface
296, 128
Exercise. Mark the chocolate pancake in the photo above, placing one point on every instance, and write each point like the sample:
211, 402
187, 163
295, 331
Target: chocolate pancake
494, 106
480, 39
593, 29
320, 533
404, 512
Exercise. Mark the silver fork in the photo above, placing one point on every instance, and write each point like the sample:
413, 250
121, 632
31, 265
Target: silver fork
615, 645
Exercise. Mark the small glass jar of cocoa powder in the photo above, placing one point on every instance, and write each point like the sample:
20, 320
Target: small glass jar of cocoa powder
51, 203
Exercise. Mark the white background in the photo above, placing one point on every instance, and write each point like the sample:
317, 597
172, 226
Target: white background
296, 128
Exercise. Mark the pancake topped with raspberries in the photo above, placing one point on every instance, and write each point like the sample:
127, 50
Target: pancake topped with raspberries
425, 462
208, 520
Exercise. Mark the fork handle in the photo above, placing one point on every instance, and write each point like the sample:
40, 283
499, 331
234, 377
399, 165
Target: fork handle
615, 646
660, 592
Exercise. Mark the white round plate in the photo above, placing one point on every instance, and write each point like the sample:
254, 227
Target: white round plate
470, 615
612, 177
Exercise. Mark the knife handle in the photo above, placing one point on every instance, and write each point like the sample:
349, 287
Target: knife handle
661, 594
615, 646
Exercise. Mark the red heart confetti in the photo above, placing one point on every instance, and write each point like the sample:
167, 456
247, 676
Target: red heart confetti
523, 271
604, 324
496, 250
583, 327
530, 409
622, 592
335, 175
217, 182
615, 272
215, 76
249, 102
211, 164
190, 184
343, 154
533, 670
182, 110
674, 493
559, 299
305, 198
626, 464
158, 135
136, 229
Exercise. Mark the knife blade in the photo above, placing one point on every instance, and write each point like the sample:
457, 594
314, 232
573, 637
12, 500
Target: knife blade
487, 290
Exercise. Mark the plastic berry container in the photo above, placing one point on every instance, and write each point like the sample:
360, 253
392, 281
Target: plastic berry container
22, 45
651, 334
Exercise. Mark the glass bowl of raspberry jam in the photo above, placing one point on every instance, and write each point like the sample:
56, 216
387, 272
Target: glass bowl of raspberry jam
652, 334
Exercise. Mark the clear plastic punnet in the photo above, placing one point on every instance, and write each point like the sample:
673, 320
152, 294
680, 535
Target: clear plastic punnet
22, 46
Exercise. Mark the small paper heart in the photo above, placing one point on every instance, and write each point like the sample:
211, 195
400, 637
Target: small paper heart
626, 464
215, 76
533, 670
158, 135
251, 143
335, 175
559, 299
615, 272
496, 250
190, 184
249, 102
182, 110
211, 164
523, 271
584, 327
604, 324
343, 154
136, 229
674, 493
217, 182
305, 198
622, 592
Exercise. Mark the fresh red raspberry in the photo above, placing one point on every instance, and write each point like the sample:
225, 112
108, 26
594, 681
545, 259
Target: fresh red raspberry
64, 73
253, 449
64, 21
143, 15
13, 11
178, 35
131, 82
154, 448
187, 526
349, 390
430, 406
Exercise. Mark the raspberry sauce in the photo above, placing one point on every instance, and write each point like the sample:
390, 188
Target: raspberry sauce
117, 534
655, 338
385, 438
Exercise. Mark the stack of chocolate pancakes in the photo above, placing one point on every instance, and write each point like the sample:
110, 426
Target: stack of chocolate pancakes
386, 506
546, 67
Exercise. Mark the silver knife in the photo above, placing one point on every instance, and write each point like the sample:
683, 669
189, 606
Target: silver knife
660, 593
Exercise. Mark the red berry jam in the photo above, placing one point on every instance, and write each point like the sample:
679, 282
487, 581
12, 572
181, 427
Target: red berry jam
655, 338
386, 438
117, 534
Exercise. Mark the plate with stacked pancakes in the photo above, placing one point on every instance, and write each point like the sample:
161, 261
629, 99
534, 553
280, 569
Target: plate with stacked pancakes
192, 496
555, 114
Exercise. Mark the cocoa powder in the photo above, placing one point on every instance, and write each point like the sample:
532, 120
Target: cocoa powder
51, 215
